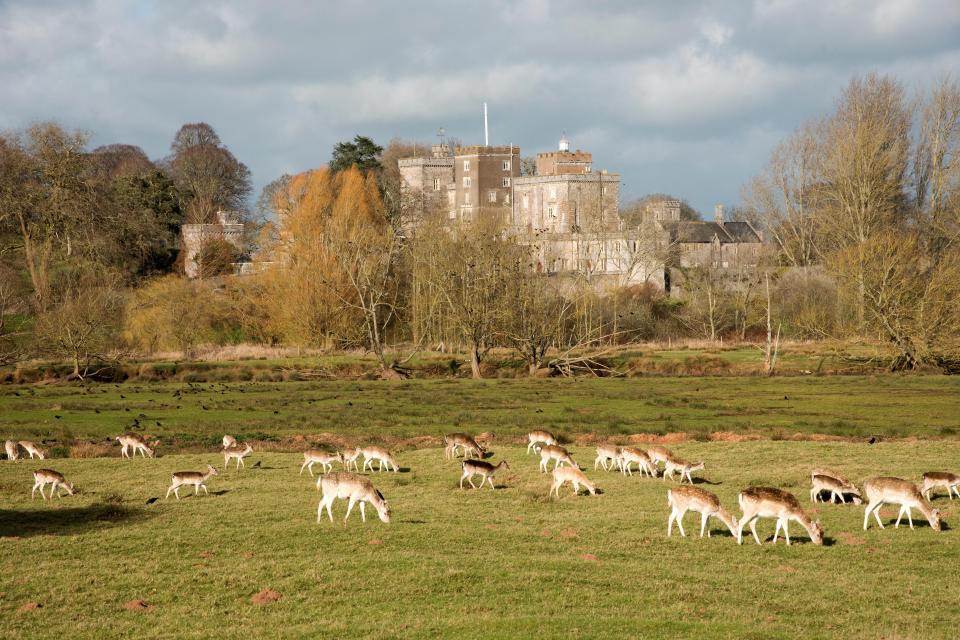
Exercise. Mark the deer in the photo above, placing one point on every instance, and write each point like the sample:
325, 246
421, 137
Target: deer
682, 499
538, 438
558, 454
133, 441
659, 454
12, 451
607, 452
350, 459
823, 471
837, 489
480, 468
466, 441
196, 478
932, 480
229, 442
237, 452
631, 455
353, 487
43, 477
881, 491
32, 449
673, 464
325, 458
381, 455
769, 502
575, 476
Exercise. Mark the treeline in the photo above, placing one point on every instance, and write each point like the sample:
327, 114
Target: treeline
860, 211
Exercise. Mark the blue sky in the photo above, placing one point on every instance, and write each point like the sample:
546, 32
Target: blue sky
681, 97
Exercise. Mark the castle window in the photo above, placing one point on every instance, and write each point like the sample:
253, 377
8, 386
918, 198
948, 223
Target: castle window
467, 182
466, 165
436, 184
506, 182
526, 201
491, 196
506, 165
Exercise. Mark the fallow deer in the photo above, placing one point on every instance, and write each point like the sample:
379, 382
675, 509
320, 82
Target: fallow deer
463, 440
538, 438
823, 471
32, 449
229, 441
682, 499
558, 454
659, 454
881, 491
480, 468
353, 487
940, 479
768, 502
573, 475
325, 458
12, 451
350, 459
236, 452
631, 455
382, 456
674, 464
837, 489
196, 478
137, 443
43, 477
605, 453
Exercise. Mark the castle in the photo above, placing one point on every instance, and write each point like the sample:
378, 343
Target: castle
568, 213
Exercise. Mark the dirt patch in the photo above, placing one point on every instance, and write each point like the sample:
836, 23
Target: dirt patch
729, 436
849, 538
206, 554
29, 606
248, 555
375, 541
265, 597
652, 438
137, 605
785, 568
546, 533
589, 557
490, 527
568, 533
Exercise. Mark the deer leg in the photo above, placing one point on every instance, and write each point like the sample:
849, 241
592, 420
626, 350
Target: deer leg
33, 494
363, 515
753, 528
776, 531
306, 465
461, 479
680, 522
329, 512
909, 516
196, 489
176, 492
866, 514
673, 515
349, 508
703, 524
205, 490
470, 480
490, 480
168, 492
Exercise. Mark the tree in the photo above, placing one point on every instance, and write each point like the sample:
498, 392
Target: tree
216, 257
362, 152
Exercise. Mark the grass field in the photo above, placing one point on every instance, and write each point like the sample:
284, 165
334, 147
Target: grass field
504, 563
466, 564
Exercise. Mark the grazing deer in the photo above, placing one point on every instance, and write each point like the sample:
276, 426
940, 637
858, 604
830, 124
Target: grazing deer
229, 442
659, 454
631, 455
933, 480
556, 453
768, 502
355, 488
538, 439
839, 477
43, 477
466, 441
881, 491
837, 489
676, 464
575, 476
196, 478
325, 458
381, 455
607, 452
480, 468
350, 458
682, 499
237, 452
12, 452
32, 449
133, 441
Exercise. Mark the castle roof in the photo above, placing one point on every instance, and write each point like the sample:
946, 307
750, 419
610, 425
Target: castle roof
703, 232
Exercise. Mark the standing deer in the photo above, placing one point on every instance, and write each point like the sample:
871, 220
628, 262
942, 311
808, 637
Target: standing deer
481, 468
769, 502
382, 456
538, 438
32, 449
236, 452
573, 475
463, 440
837, 489
196, 478
674, 464
939, 479
43, 477
659, 454
12, 452
605, 453
133, 441
631, 455
682, 499
325, 458
350, 459
881, 491
558, 454
353, 487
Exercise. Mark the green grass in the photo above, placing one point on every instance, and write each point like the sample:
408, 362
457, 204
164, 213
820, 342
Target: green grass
196, 415
467, 564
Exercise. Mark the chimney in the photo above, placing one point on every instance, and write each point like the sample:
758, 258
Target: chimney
718, 214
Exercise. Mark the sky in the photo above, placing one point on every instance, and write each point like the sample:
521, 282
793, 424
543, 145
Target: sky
682, 97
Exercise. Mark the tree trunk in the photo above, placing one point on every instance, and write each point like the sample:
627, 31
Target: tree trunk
475, 363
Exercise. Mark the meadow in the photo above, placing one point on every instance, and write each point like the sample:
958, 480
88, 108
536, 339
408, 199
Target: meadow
111, 562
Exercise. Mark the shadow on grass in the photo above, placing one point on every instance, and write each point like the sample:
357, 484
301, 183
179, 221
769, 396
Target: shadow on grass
705, 481
59, 520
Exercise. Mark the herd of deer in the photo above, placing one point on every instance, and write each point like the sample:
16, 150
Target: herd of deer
754, 502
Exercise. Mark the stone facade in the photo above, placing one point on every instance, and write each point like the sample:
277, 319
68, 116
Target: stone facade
426, 183
483, 181
228, 227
